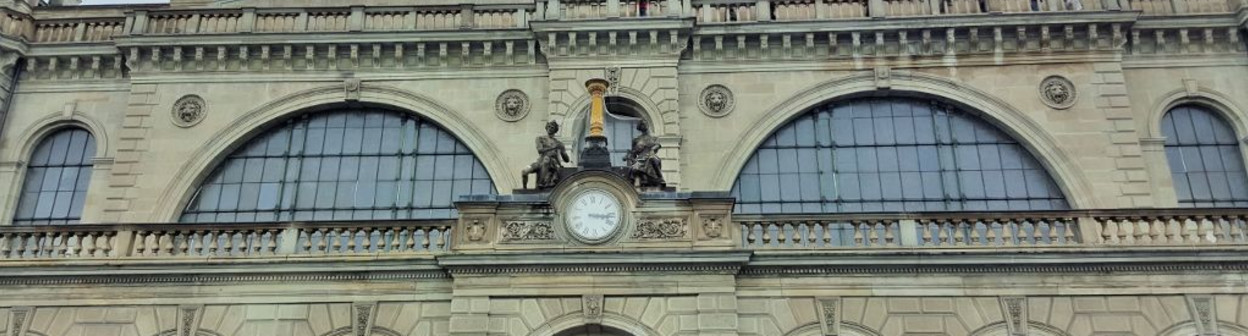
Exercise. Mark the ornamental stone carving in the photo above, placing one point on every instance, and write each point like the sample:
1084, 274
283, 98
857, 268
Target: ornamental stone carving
829, 311
476, 230
1015, 314
1058, 92
592, 305
524, 230
667, 228
716, 101
189, 111
511, 105
713, 226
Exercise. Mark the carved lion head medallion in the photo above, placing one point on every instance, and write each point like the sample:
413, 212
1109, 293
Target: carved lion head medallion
511, 105
716, 101
1058, 92
189, 111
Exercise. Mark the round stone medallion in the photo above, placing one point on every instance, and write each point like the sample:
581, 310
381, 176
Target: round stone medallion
1058, 92
716, 101
511, 105
189, 111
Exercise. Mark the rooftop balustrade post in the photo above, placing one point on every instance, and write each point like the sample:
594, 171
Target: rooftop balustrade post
909, 232
247, 23
288, 240
466, 12
301, 22
1089, 230
80, 31
686, 8
193, 25
1178, 6
875, 8
123, 243
553, 10
1113, 5
356, 19
140, 23
613, 8
673, 8
763, 10
822, 11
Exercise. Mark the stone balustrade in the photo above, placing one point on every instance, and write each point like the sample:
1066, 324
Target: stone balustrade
1116, 228
261, 240
449, 18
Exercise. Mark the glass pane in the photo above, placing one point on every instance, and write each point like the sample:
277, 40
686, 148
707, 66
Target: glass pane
892, 154
342, 165
1206, 162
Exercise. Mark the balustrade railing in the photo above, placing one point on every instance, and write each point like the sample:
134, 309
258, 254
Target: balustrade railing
224, 240
1110, 228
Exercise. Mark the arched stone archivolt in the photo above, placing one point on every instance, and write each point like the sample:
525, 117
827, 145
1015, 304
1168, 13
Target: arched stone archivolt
1065, 171
847, 329
568, 322
1189, 328
1033, 329
193, 172
374, 331
200, 332
1200, 96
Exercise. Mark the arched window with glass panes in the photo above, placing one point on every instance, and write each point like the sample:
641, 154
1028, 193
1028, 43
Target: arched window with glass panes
892, 155
1206, 162
347, 164
59, 171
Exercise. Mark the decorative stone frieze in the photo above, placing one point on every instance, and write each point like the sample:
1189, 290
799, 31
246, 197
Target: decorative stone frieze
659, 229
518, 231
74, 67
1058, 92
716, 101
512, 105
189, 110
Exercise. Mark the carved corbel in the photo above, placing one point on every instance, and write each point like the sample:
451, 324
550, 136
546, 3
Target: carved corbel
1204, 314
363, 315
188, 319
830, 315
882, 77
351, 89
1014, 308
19, 320
591, 305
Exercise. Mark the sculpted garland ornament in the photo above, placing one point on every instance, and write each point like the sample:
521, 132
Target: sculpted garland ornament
1058, 92
511, 105
189, 111
716, 101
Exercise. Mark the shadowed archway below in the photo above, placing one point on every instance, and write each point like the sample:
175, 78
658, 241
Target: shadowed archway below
593, 330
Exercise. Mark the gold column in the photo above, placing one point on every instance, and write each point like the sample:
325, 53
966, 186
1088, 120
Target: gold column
596, 87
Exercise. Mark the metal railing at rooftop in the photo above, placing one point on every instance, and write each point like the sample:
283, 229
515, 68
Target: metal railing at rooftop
260, 240
1104, 228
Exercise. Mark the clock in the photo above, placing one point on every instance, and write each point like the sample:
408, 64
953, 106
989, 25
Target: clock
594, 215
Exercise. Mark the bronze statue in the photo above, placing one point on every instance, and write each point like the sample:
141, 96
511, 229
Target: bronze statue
549, 152
645, 166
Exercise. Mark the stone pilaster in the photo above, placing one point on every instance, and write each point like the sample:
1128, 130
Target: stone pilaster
132, 146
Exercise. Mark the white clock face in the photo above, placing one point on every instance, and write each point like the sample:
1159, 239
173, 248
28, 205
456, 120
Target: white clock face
594, 215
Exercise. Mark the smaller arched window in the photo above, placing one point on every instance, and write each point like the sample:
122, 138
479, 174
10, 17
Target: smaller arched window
619, 125
1205, 160
56, 181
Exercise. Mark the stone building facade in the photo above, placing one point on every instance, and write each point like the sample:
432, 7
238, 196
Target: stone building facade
1107, 139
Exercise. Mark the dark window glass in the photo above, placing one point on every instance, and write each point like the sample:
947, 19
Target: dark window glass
1205, 160
344, 165
892, 154
56, 179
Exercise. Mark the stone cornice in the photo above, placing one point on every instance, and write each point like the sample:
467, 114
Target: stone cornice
594, 262
989, 261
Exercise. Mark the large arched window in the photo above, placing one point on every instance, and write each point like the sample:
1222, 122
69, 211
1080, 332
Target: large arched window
56, 179
342, 165
619, 125
892, 154
1205, 159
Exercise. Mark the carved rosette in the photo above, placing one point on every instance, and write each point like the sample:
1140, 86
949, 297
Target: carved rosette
1058, 92
716, 101
657, 229
517, 231
189, 111
511, 105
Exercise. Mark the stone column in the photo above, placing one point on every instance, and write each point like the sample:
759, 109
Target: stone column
596, 154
